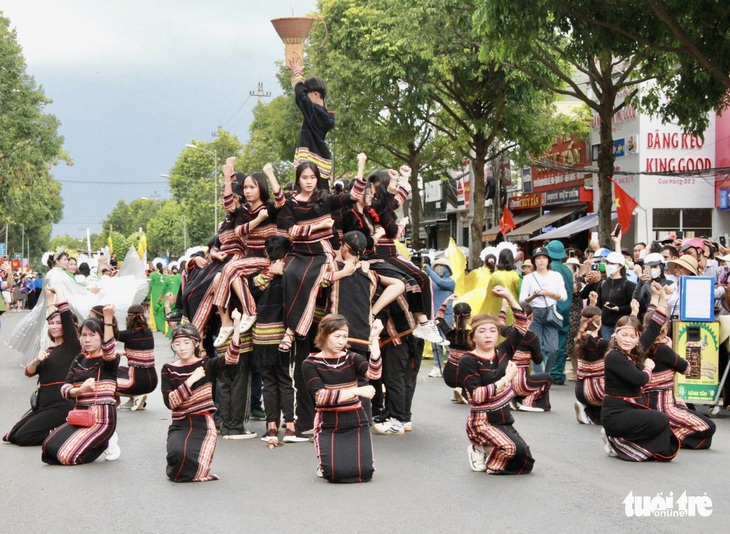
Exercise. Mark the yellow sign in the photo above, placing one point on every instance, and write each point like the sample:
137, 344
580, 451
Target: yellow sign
699, 344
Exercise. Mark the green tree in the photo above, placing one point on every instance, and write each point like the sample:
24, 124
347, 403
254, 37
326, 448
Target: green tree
67, 242
485, 109
192, 182
165, 231
570, 56
696, 36
129, 218
272, 138
379, 112
29, 145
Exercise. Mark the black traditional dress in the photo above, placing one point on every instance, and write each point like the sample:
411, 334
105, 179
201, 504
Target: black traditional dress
316, 122
693, 430
268, 331
198, 294
490, 421
141, 376
192, 435
311, 256
636, 432
254, 259
341, 428
420, 297
590, 386
71, 445
531, 390
34, 427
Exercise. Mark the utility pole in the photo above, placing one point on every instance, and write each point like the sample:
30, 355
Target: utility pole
260, 92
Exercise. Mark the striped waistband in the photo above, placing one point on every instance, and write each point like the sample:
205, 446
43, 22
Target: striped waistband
339, 408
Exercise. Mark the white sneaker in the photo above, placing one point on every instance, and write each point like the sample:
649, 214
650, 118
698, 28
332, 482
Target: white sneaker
477, 459
223, 334
459, 397
435, 373
390, 427
428, 331
580, 413
139, 403
408, 426
113, 452
607, 447
513, 404
523, 408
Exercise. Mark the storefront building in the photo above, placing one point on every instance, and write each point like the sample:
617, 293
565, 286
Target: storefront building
647, 153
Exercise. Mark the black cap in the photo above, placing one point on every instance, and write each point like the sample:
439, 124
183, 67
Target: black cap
540, 251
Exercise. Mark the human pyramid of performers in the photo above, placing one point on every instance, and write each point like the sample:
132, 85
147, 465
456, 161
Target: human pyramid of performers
309, 295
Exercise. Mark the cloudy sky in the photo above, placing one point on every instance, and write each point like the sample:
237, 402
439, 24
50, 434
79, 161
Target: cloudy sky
133, 81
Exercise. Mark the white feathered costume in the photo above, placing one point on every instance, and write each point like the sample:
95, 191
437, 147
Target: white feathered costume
128, 287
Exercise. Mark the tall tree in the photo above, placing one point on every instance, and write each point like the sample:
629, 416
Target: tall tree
30, 199
272, 138
165, 232
192, 182
694, 33
488, 106
572, 57
379, 112
129, 218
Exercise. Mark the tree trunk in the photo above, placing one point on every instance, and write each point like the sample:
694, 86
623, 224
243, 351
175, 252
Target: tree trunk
413, 163
605, 170
478, 193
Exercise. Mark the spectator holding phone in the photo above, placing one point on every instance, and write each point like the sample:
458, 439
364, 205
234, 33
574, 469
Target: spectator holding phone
614, 293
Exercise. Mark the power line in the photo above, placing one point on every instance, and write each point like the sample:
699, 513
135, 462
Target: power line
108, 183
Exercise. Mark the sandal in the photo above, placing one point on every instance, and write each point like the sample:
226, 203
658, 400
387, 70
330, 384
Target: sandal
286, 342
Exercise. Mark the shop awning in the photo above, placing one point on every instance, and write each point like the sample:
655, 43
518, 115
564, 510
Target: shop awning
588, 222
490, 234
523, 233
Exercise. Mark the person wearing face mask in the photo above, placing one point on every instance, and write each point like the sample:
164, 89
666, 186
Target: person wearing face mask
653, 272
614, 293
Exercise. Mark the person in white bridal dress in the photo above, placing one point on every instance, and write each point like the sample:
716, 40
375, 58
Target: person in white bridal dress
128, 287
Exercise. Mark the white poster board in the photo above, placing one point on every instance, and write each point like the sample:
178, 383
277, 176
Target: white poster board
697, 298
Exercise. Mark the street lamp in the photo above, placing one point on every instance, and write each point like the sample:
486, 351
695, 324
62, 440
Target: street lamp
213, 155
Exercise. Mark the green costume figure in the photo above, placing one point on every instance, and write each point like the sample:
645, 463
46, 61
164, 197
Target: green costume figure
157, 300
172, 285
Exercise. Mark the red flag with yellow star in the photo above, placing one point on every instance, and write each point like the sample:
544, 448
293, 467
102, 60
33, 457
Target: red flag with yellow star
506, 222
625, 206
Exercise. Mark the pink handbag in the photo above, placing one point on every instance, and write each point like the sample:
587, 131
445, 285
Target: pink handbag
84, 417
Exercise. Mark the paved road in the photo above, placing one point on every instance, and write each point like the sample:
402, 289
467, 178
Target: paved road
422, 483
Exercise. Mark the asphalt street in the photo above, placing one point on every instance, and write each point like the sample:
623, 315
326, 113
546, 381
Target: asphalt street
422, 484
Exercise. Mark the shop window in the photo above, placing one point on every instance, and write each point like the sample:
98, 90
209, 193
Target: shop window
692, 222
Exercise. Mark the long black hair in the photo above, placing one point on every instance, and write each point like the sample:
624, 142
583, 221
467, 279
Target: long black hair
262, 184
380, 180
51, 262
506, 261
638, 353
320, 194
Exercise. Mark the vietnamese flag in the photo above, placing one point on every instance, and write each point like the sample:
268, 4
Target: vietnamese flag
506, 222
625, 206
15, 264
